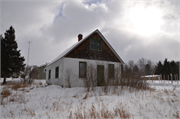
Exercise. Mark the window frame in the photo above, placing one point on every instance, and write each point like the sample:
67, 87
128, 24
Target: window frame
100, 69
96, 40
57, 72
100, 45
85, 69
49, 77
110, 71
94, 44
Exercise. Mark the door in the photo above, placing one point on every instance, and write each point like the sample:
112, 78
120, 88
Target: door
100, 75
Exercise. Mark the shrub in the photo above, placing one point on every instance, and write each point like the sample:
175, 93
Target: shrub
5, 93
68, 75
16, 86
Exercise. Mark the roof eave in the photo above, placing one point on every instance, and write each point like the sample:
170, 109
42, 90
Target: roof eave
78, 43
110, 46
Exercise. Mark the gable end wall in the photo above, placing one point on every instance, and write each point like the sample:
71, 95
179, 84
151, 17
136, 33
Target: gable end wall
83, 51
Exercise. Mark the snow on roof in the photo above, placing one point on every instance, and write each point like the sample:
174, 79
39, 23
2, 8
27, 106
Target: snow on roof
78, 43
150, 76
43, 65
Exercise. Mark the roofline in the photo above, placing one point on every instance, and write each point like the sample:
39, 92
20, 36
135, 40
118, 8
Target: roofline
43, 65
109, 46
78, 43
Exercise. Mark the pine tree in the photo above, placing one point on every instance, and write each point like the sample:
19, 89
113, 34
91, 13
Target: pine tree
11, 59
173, 67
159, 68
166, 67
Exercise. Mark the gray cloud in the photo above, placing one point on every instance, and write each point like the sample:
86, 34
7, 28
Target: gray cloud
53, 27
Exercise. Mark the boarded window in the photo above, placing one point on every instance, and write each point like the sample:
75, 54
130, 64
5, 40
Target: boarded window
49, 74
92, 44
100, 75
82, 69
57, 72
111, 71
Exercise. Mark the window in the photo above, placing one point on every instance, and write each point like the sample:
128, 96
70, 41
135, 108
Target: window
111, 71
98, 46
82, 69
92, 45
95, 44
57, 72
49, 74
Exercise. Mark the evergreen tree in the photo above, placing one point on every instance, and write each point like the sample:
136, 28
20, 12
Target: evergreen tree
159, 68
173, 68
11, 59
166, 68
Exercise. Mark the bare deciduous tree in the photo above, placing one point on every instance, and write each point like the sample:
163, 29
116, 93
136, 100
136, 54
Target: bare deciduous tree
142, 63
68, 75
91, 77
30, 73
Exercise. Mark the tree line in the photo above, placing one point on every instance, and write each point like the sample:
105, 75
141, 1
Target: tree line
167, 68
147, 67
140, 68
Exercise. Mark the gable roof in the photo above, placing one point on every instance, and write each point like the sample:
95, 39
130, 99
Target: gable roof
78, 43
42, 65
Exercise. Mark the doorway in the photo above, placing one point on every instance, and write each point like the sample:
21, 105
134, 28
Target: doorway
100, 75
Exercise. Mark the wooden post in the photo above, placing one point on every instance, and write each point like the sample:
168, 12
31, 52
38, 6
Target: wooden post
171, 78
168, 78
160, 77
144, 78
164, 78
177, 78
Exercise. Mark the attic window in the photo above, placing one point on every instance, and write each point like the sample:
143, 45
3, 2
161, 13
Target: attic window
92, 45
98, 45
95, 44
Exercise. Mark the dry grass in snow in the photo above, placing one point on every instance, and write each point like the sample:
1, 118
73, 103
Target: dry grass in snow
19, 101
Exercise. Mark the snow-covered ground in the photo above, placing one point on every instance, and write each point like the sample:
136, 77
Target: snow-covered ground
39, 101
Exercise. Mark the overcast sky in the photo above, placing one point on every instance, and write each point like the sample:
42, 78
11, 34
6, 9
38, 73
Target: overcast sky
134, 28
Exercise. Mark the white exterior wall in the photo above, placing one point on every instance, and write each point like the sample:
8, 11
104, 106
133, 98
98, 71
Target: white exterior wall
73, 64
53, 80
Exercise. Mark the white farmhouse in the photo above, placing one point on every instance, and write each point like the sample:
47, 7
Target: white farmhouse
75, 64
